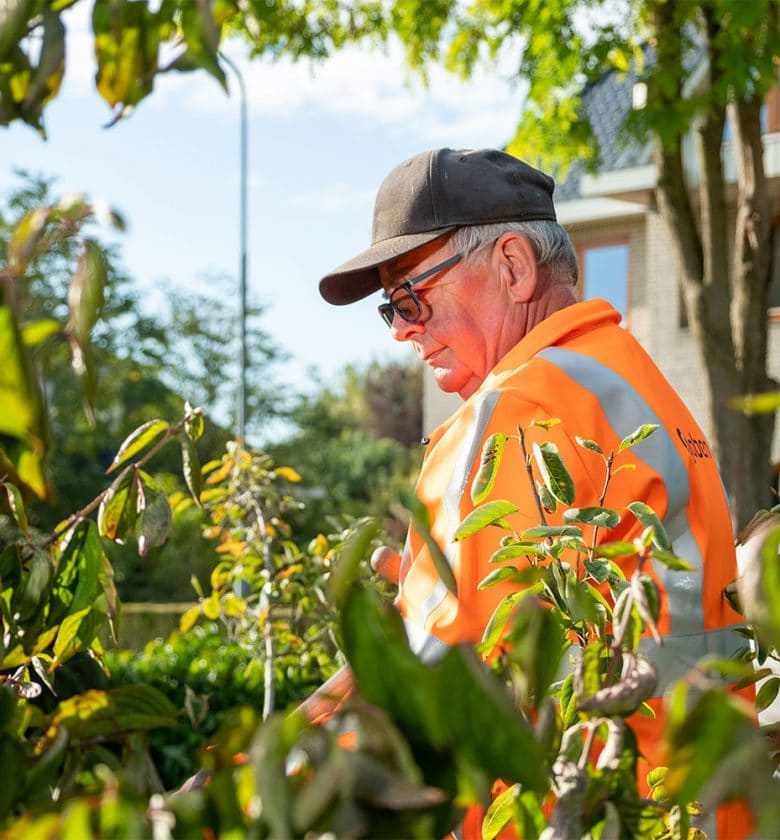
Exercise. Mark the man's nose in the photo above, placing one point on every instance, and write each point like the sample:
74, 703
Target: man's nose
403, 330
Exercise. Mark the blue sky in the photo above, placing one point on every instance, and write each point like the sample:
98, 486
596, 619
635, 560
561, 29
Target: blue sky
321, 139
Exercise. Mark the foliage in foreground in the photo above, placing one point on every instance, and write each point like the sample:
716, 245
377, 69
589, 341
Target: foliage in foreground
414, 744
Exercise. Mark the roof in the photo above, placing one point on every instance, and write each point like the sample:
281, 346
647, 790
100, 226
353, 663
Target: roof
607, 102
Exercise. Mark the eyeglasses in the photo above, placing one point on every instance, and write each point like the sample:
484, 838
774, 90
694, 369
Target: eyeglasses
404, 301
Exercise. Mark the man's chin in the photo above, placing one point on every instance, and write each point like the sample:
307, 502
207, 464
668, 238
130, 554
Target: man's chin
455, 382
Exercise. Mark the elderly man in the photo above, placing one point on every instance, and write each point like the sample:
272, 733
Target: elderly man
479, 279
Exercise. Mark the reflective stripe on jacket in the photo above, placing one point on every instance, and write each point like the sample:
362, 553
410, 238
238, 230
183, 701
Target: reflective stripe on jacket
580, 366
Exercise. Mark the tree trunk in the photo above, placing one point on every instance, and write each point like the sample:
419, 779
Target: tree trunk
727, 310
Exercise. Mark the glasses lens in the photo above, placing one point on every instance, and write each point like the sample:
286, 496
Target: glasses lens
387, 312
406, 304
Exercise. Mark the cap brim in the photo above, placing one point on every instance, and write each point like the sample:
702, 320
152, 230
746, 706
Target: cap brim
359, 277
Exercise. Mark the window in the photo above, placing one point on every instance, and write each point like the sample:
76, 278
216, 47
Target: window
605, 274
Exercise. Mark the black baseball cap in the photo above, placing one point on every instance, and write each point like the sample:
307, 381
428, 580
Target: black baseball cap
432, 194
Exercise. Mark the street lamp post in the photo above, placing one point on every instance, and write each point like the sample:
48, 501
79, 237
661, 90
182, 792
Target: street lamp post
243, 360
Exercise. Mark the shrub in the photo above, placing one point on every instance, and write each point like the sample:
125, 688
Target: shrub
205, 674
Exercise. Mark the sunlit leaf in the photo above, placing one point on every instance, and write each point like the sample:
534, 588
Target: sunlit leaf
355, 548
139, 439
541, 532
637, 436
585, 443
25, 237
191, 468
489, 513
598, 516
672, 561
16, 505
766, 403
489, 464
545, 424
193, 422
517, 549
130, 707
22, 419
86, 291
36, 332
767, 694
420, 519
648, 518
554, 474
615, 549
500, 575
598, 569
156, 521
288, 474
118, 511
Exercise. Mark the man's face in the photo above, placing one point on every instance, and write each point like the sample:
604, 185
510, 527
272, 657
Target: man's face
459, 334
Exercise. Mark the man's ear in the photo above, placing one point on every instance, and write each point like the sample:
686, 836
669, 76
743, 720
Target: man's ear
517, 266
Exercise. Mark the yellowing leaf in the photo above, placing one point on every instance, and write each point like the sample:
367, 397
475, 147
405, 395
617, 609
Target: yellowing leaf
232, 547
287, 473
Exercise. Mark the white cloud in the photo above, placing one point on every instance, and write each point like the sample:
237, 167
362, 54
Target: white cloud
371, 85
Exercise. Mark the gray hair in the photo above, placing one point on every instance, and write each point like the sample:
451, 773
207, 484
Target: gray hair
550, 242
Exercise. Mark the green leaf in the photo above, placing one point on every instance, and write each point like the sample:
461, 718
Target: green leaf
599, 516
539, 532
549, 502
545, 424
127, 40
648, 518
156, 519
202, 36
500, 813
515, 550
598, 569
25, 238
497, 625
118, 511
47, 76
553, 472
487, 514
191, 468
585, 443
29, 597
386, 671
637, 436
193, 422
36, 332
420, 520
352, 552
22, 419
127, 708
499, 575
16, 504
766, 403
473, 702
86, 292
767, 694
537, 644
137, 440
672, 561
615, 549
14, 19
490, 462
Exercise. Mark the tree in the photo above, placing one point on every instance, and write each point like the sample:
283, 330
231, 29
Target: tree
356, 445
135, 40
726, 275
141, 368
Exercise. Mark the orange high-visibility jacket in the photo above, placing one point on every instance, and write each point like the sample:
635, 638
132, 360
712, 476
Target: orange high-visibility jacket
580, 366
